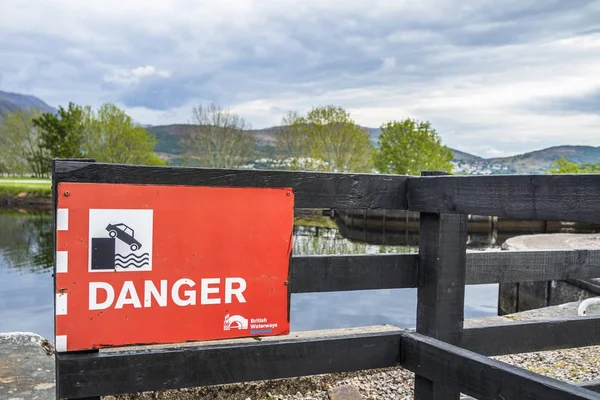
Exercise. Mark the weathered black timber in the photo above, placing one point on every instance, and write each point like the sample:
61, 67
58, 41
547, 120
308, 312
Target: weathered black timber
311, 189
590, 385
590, 286
544, 197
442, 260
311, 274
440, 272
441, 289
356, 272
527, 266
479, 376
131, 371
531, 336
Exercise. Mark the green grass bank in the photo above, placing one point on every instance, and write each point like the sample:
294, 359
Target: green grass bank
25, 193
32, 187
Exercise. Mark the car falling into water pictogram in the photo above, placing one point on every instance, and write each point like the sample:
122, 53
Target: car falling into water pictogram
124, 233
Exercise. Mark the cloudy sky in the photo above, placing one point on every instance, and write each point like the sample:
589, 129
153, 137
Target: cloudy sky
493, 77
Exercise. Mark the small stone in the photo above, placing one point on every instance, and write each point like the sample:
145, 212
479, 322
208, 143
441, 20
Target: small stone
344, 392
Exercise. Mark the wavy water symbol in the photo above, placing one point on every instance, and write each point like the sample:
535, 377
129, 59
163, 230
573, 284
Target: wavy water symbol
132, 260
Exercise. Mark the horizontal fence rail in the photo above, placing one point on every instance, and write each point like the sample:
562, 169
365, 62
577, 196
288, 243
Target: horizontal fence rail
312, 189
532, 336
301, 354
590, 385
396, 271
531, 265
353, 272
543, 197
182, 366
479, 376
547, 197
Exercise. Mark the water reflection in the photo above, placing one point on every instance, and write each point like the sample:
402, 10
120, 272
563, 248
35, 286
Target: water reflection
408, 235
321, 240
26, 242
26, 295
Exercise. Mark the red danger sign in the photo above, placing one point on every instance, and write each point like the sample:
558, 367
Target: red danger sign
141, 264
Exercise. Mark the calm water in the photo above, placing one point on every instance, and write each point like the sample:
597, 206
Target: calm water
26, 302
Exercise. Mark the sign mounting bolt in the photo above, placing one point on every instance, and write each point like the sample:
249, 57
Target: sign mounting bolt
288, 193
67, 193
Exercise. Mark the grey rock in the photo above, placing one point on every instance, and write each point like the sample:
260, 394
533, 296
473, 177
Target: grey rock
26, 367
344, 392
554, 241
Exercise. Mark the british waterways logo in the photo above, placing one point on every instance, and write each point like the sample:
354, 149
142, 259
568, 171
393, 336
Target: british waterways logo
120, 240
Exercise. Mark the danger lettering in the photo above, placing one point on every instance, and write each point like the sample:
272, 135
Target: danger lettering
183, 292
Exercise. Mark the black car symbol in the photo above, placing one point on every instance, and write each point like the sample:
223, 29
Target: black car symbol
124, 233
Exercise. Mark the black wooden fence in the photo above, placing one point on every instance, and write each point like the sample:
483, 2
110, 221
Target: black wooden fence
446, 358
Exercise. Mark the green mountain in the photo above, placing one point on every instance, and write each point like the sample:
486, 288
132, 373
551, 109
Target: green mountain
10, 102
540, 161
535, 162
462, 156
169, 147
168, 139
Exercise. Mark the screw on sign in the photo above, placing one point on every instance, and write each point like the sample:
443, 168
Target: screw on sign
143, 264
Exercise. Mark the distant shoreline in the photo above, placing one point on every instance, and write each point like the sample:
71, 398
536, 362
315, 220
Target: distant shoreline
25, 194
28, 202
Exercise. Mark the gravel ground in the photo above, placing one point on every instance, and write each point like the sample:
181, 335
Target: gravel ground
572, 365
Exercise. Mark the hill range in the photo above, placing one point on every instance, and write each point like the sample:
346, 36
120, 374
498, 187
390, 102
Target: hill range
538, 161
10, 102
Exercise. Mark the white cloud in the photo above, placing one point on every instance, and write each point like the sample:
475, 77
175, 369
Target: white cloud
488, 75
486, 151
180, 115
388, 64
135, 75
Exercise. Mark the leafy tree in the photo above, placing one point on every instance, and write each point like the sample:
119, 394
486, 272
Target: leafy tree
289, 139
330, 140
107, 135
63, 134
113, 137
21, 150
563, 166
408, 147
589, 168
217, 138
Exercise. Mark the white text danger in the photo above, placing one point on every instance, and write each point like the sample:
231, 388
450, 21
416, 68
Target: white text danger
184, 292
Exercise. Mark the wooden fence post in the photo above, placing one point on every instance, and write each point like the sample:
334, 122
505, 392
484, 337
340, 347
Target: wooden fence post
441, 288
